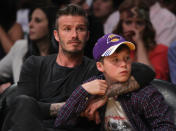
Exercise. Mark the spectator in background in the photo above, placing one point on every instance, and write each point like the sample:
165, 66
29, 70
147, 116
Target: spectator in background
38, 43
169, 4
135, 26
106, 12
164, 22
60, 3
172, 62
81, 3
103, 17
23, 9
10, 31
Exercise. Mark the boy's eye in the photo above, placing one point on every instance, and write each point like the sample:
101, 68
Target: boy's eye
127, 58
115, 60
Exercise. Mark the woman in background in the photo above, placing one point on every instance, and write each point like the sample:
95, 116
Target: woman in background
135, 25
10, 31
38, 43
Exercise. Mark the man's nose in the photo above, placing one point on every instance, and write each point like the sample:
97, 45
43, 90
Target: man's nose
75, 33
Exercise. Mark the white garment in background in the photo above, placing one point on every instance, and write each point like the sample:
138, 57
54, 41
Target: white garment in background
23, 19
111, 22
10, 65
164, 23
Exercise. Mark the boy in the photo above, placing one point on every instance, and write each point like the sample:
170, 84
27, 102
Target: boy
141, 109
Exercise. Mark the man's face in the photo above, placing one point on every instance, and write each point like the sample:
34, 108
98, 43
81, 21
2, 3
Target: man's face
72, 33
117, 67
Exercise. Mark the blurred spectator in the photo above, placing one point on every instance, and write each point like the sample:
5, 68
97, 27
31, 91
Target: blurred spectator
164, 22
135, 26
172, 62
81, 3
169, 4
23, 9
10, 31
60, 3
103, 19
106, 12
39, 43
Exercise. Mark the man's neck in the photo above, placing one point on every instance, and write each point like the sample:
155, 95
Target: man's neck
69, 60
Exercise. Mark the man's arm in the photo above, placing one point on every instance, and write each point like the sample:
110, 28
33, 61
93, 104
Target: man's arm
29, 82
55, 107
142, 73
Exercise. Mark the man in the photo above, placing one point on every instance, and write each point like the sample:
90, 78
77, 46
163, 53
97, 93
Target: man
141, 109
46, 82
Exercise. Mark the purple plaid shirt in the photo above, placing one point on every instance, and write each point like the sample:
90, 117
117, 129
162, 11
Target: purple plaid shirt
145, 108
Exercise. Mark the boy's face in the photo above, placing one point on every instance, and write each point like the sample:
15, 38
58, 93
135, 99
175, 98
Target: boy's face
116, 67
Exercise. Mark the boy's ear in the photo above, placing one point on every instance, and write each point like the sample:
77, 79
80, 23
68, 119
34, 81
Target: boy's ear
100, 66
56, 36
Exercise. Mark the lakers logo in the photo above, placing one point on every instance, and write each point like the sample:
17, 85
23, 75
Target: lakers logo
112, 38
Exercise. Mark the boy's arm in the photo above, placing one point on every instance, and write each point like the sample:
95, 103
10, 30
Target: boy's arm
75, 104
78, 101
155, 110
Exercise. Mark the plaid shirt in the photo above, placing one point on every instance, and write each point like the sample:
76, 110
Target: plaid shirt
145, 108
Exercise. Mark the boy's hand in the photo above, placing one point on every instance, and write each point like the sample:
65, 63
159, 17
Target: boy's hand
91, 111
96, 87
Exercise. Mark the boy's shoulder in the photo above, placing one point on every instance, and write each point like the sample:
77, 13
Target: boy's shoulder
145, 93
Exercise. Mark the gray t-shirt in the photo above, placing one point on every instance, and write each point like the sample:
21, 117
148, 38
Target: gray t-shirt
115, 117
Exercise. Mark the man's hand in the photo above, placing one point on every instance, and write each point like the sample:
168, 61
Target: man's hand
96, 87
54, 108
91, 111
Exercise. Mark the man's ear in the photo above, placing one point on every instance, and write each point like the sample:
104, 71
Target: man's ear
56, 35
100, 66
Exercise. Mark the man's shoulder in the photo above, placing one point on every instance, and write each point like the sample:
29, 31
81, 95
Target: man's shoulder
40, 60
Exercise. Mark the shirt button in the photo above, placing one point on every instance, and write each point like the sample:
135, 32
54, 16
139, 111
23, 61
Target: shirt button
87, 98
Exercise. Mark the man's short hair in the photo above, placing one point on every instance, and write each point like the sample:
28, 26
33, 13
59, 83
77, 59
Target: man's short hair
73, 10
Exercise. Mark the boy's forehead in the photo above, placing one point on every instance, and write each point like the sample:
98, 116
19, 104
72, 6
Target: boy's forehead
119, 53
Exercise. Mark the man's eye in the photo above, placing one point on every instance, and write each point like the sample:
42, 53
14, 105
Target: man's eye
67, 29
81, 29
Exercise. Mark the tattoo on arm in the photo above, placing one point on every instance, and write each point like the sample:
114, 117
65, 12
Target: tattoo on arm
55, 107
122, 88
